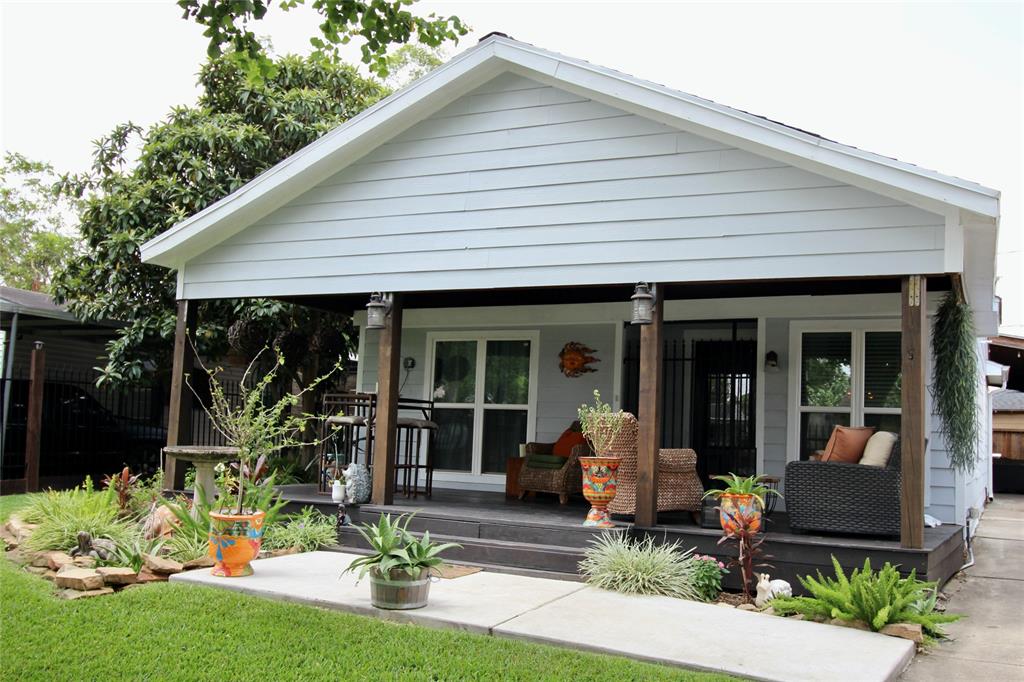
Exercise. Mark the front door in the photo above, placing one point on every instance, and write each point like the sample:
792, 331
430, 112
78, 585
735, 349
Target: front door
484, 391
708, 391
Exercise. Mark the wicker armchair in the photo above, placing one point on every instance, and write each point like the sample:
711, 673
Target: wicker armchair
566, 481
679, 487
835, 497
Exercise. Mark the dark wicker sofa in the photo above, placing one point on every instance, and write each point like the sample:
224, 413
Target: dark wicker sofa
834, 497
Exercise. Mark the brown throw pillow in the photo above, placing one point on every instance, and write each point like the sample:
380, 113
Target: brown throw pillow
847, 443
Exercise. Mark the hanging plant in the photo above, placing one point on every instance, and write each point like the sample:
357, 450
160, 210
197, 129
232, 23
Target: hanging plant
955, 380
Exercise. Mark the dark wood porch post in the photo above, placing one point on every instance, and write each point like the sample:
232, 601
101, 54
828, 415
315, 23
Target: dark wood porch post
34, 417
650, 415
386, 440
912, 437
179, 417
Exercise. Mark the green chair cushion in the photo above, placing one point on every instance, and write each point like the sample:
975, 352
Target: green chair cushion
545, 461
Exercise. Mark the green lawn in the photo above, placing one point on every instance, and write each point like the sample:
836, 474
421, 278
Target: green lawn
177, 632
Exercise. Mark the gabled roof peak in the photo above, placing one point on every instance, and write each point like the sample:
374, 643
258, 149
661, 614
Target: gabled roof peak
497, 53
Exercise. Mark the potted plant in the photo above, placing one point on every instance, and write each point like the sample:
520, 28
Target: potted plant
600, 426
400, 565
258, 428
741, 496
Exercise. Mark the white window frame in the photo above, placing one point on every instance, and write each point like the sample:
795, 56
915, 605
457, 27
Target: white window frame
479, 406
857, 330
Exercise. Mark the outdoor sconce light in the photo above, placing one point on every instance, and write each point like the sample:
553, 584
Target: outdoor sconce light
377, 310
643, 303
771, 361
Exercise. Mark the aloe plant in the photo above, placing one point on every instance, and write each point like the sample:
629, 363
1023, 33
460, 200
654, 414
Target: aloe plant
394, 547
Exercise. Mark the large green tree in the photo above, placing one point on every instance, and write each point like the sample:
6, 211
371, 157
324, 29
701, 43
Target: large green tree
197, 155
35, 238
376, 24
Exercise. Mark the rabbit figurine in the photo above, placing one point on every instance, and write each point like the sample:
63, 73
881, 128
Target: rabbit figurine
768, 589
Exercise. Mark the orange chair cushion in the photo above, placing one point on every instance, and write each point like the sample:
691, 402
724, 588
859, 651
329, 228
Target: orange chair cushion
847, 443
566, 442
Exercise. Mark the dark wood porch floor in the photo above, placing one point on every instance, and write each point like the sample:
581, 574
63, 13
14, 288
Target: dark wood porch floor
541, 535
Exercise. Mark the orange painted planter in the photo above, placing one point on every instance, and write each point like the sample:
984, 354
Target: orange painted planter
599, 487
235, 540
739, 505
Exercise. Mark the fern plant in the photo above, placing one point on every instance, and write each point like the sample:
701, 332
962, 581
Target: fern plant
875, 598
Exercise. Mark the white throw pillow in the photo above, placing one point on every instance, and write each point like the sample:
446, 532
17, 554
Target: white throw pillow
878, 449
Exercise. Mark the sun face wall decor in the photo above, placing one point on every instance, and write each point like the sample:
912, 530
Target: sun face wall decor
574, 358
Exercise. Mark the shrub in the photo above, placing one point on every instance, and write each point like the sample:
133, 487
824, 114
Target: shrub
308, 530
61, 515
616, 562
707, 576
131, 553
186, 546
875, 598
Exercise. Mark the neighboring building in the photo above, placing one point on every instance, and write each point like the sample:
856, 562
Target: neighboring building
86, 429
512, 198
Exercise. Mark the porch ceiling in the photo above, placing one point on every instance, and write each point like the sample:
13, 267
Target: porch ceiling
620, 293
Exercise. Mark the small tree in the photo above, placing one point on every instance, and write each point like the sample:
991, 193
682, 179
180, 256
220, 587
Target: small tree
600, 424
256, 428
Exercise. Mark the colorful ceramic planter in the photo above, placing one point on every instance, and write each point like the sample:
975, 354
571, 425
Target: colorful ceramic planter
599, 487
235, 541
735, 506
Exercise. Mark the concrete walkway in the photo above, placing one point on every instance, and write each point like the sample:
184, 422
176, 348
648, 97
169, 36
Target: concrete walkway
989, 643
671, 631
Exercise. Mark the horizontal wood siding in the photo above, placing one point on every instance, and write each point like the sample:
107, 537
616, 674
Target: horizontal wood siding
520, 183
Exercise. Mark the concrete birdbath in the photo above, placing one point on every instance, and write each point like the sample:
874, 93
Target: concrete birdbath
205, 458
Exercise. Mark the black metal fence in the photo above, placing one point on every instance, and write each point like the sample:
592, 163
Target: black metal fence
85, 429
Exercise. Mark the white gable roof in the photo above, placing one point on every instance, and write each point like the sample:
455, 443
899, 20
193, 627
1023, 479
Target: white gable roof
497, 54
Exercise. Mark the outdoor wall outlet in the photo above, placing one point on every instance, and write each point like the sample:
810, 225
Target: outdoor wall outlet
408, 363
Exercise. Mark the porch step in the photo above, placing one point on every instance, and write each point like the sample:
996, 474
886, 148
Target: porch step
510, 531
558, 559
493, 568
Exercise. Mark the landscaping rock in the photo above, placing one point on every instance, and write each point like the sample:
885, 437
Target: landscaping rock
747, 607
147, 576
117, 575
796, 616
911, 631
18, 557
202, 562
41, 560
57, 560
84, 561
855, 624
79, 594
161, 565
160, 522
78, 578
8, 538
37, 570
725, 604
769, 611
19, 529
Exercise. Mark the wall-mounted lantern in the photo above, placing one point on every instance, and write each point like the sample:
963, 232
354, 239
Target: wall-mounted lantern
643, 303
377, 310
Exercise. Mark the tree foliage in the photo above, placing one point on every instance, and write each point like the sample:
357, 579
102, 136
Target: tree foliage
194, 157
377, 23
34, 236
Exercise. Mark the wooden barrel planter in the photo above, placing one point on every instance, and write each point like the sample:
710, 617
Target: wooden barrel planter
399, 591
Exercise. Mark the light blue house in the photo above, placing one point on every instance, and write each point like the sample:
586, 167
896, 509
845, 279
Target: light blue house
512, 199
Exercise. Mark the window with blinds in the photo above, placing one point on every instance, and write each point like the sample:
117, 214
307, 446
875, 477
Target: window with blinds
849, 378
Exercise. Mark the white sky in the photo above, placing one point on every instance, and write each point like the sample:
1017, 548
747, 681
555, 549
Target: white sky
938, 85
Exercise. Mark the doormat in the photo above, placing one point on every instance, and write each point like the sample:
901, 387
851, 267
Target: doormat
451, 571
